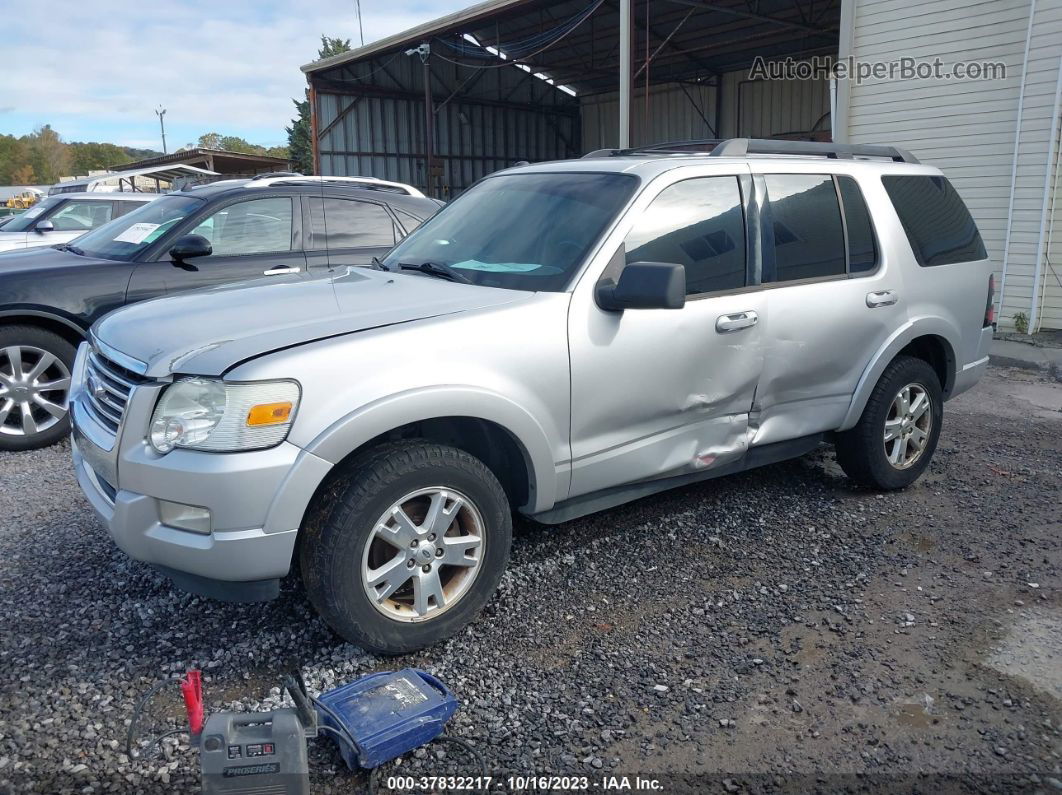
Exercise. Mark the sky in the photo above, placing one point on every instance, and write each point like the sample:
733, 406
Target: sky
96, 71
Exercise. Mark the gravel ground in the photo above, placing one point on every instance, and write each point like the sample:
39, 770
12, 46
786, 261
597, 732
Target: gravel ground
774, 630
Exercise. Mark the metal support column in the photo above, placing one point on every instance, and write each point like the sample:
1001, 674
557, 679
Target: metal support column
625, 75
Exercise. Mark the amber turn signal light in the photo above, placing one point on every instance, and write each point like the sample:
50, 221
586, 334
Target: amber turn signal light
269, 413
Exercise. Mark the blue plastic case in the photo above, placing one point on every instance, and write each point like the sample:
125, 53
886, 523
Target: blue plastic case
388, 714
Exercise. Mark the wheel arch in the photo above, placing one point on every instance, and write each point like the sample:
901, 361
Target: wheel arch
931, 339
66, 329
491, 427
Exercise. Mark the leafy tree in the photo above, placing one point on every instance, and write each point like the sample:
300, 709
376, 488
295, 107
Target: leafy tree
330, 47
300, 145
23, 175
86, 157
48, 155
210, 141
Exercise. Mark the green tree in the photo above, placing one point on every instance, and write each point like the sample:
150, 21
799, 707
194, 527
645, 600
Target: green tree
300, 148
14, 156
330, 47
233, 143
48, 155
300, 144
211, 140
92, 156
23, 175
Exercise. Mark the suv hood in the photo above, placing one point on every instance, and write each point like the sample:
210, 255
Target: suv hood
207, 332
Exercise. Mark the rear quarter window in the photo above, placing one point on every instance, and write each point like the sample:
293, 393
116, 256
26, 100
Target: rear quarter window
938, 225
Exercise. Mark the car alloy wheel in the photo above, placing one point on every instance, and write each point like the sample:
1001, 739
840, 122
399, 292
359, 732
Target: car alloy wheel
33, 390
423, 554
907, 426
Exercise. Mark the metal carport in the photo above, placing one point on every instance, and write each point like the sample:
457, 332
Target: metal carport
512, 80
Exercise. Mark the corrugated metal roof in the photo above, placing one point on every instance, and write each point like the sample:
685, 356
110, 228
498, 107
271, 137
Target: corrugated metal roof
686, 40
415, 35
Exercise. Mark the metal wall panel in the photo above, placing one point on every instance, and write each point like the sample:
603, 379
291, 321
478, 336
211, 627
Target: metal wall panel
766, 108
747, 108
496, 118
676, 112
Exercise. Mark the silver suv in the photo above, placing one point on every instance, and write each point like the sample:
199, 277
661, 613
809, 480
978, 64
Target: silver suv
562, 338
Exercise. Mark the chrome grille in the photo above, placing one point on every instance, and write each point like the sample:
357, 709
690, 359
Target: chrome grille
107, 389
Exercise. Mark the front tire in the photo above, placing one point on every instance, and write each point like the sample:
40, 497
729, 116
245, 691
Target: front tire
35, 367
407, 546
896, 436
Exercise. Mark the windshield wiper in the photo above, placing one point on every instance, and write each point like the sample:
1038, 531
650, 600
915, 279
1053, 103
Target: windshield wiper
377, 264
436, 269
68, 247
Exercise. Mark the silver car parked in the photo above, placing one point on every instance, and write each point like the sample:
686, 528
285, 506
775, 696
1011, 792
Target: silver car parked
562, 338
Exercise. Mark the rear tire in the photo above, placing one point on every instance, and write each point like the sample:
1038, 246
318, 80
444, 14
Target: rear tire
891, 446
32, 359
394, 586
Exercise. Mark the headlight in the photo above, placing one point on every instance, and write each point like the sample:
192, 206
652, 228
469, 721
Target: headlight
207, 414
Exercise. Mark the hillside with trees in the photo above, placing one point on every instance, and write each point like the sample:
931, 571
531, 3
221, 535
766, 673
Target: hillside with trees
42, 157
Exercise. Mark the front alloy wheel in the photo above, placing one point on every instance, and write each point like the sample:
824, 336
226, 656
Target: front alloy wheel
34, 385
406, 545
423, 555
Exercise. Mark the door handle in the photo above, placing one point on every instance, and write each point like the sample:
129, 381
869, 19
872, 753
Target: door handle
882, 298
280, 269
724, 324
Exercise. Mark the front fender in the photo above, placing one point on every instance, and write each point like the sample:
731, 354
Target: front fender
369, 421
903, 336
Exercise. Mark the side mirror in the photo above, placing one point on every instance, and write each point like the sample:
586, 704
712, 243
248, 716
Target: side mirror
189, 246
644, 285
43, 226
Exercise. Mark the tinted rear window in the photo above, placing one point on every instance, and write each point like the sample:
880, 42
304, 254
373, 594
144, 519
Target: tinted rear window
938, 225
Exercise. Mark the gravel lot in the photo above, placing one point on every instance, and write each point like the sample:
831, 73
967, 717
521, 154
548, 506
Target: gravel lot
778, 629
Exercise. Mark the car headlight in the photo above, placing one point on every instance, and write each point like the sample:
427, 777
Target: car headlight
208, 414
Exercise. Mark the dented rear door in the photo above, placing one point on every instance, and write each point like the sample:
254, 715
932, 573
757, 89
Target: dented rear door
657, 393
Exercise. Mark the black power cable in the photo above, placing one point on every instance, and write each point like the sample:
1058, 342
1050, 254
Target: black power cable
139, 710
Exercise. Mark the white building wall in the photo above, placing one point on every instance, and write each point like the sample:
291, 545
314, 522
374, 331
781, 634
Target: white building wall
968, 128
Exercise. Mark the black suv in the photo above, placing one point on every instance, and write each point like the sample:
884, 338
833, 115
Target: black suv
280, 227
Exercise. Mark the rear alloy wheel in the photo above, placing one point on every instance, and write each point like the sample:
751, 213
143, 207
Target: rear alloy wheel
406, 545
907, 426
34, 385
894, 440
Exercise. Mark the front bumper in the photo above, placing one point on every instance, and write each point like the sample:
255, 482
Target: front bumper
256, 500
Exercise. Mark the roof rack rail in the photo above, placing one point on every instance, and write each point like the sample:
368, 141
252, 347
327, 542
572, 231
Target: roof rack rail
369, 183
743, 147
272, 174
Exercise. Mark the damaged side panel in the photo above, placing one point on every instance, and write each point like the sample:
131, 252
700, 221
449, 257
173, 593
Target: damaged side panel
660, 393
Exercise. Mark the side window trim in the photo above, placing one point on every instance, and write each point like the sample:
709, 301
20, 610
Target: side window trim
844, 226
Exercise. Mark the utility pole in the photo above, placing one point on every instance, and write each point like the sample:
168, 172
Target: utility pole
160, 112
361, 30
625, 74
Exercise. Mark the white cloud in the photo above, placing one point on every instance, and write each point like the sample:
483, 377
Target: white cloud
230, 66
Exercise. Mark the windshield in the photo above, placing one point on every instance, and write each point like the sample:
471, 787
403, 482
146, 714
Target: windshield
519, 231
124, 238
23, 222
